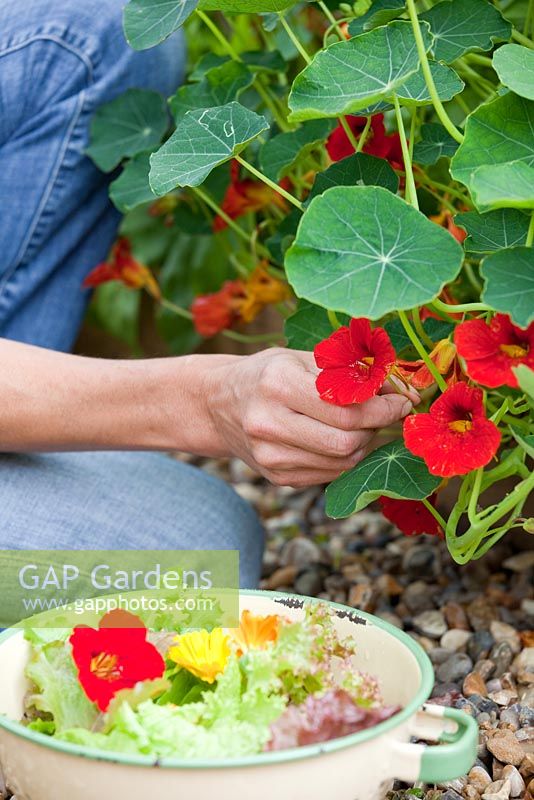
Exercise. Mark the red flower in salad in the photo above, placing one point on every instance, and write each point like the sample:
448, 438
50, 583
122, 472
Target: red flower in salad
355, 361
122, 266
410, 516
213, 313
455, 437
110, 659
246, 195
491, 351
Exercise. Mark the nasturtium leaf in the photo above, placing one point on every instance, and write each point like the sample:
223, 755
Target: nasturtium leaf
255, 60
381, 12
135, 121
284, 235
246, 6
495, 230
414, 91
496, 133
503, 186
148, 22
364, 251
280, 153
115, 310
132, 188
359, 169
308, 326
525, 379
391, 471
435, 329
435, 143
203, 139
219, 86
525, 441
460, 26
353, 74
514, 65
509, 283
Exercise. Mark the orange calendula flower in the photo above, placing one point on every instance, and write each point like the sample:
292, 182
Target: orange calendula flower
122, 266
246, 195
201, 653
417, 374
255, 632
261, 290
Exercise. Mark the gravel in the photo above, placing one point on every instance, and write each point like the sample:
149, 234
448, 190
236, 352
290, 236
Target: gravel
476, 622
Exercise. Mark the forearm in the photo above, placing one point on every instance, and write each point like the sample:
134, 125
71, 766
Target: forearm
53, 401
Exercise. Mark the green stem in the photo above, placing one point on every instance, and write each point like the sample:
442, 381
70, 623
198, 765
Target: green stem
222, 214
332, 318
294, 39
411, 191
441, 314
471, 277
435, 513
289, 197
482, 61
413, 127
269, 103
425, 65
527, 28
364, 134
475, 494
330, 17
530, 235
349, 134
500, 413
423, 335
170, 306
518, 493
524, 40
421, 350
219, 35
460, 308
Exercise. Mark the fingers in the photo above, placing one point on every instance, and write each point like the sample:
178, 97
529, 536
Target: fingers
280, 458
304, 433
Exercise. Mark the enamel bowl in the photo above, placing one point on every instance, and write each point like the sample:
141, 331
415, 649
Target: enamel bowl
361, 766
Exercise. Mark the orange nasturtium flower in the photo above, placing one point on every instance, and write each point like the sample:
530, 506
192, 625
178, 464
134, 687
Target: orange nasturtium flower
122, 266
261, 290
246, 195
201, 653
255, 632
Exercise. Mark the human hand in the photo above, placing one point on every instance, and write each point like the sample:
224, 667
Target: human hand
266, 410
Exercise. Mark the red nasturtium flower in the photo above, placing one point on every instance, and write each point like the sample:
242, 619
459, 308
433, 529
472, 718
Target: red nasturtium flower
246, 195
123, 267
490, 351
410, 516
417, 374
215, 312
355, 361
110, 659
446, 220
455, 437
377, 143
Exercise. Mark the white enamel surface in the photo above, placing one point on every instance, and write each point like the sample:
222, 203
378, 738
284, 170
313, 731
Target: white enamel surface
360, 772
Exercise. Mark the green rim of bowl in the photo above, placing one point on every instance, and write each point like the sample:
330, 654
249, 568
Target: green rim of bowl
262, 759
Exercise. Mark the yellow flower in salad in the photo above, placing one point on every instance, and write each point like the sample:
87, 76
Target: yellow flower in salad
201, 653
255, 632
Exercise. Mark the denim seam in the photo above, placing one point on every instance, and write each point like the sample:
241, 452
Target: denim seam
61, 155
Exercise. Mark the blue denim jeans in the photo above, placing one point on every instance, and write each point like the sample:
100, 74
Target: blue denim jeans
59, 61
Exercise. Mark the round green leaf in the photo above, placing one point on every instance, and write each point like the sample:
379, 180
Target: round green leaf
353, 74
435, 143
503, 186
132, 188
496, 133
148, 22
359, 169
514, 65
135, 121
256, 60
203, 139
525, 379
495, 230
509, 283
391, 471
246, 6
526, 442
381, 12
280, 153
308, 326
364, 251
460, 26
219, 86
415, 93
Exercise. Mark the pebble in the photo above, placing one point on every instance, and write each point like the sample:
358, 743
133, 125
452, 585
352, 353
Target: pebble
524, 662
479, 645
499, 790
526, 716
480, 613
501, 654
474, 684
284, 576
455, 639
517, 784
479, 778
456, 617
510, 717
502, 632
309, 582
505, 747
420, 561
417, 598
300, 552
430, 623
455, 668
504, 697
361, 596
485, 668
520, 562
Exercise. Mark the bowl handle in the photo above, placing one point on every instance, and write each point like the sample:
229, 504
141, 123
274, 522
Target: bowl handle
458, 731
